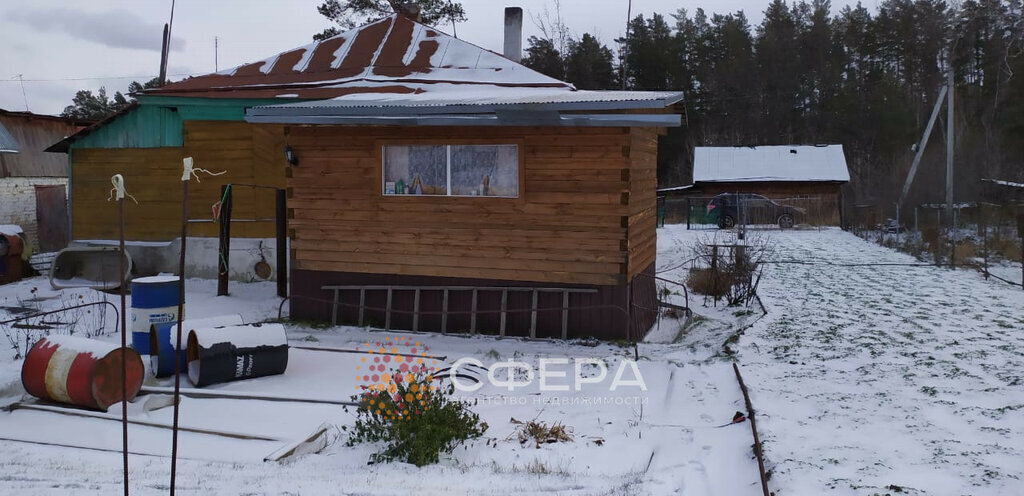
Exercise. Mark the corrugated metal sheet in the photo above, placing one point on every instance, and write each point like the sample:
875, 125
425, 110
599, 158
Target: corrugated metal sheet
394, 52
139, 127
33, 133
498, 119
770, 163
448, 98
7, 142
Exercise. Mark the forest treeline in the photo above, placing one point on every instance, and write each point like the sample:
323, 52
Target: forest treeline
807, 75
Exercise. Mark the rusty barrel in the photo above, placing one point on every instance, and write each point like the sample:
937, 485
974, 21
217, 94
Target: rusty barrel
80, 371
231, 353
163, 340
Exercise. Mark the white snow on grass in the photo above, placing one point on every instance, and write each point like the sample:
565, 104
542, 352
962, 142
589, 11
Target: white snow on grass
891, 379
664, 440
885, 379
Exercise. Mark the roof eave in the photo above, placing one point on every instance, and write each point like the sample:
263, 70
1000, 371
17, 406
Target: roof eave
371, 109
64, 145
494, 119
771, 180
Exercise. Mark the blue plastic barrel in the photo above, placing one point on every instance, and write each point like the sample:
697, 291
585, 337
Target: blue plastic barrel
163, 336
154, 301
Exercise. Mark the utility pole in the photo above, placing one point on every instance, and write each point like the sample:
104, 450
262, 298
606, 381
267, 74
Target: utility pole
923, 144
949, 162
625, 45
216, 48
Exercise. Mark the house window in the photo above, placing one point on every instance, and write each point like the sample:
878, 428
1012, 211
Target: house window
451, 170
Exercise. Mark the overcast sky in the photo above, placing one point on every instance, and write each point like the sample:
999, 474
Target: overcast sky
59, 46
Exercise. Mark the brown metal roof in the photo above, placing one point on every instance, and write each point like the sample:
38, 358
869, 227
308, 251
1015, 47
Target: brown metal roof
395, 55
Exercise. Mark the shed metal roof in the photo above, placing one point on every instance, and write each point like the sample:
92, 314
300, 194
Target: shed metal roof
7, 142
391, 55
455, 98
818, 163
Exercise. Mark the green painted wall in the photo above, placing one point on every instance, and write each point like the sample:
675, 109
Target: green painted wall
142, 127
158, 121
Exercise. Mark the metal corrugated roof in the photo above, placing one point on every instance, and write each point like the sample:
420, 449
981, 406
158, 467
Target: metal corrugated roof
452, 98
7, 142
393, 54
770, 163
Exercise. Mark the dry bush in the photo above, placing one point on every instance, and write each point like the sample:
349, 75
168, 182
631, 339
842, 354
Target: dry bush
709, 282
731, 274
1007, 248
929, 235
965, 251
542, 433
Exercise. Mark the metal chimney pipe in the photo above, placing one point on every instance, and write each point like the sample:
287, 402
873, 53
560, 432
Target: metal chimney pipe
514, 33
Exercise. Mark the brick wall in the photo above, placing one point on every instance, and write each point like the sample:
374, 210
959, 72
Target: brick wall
18, 203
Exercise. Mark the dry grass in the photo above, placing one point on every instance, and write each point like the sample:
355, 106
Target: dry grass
709, 282
930, 235
542, 433
1006, 248
965, 251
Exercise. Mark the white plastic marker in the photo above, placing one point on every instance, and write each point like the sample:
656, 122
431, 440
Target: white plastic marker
118, 192
189, 171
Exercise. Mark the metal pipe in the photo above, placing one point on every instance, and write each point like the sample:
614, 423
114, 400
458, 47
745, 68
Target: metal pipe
281, 203
124, 344
181, 313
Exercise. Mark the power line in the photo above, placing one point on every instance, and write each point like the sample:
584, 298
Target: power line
94, 78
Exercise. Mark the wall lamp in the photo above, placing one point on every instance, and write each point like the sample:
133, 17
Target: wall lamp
289, 155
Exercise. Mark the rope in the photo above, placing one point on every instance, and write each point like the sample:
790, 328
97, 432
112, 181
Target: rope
118, 192
220, 203
189, 170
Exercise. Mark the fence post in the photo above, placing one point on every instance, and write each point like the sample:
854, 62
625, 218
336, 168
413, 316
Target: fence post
689, 209
952, 240
225, 240
983, 225
1020, 233
281, 207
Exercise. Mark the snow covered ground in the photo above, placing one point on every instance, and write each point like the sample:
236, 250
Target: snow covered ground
659, 441
867, 380
885, 379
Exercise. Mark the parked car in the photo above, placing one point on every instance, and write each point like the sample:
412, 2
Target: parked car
891, 226
756, 209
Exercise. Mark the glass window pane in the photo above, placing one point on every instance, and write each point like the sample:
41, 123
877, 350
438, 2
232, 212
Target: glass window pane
485, 170
415, 170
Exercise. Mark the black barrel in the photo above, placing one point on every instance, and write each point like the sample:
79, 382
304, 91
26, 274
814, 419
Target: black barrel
225, 354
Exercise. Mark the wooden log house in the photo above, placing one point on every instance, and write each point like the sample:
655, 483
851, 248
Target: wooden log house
434, 185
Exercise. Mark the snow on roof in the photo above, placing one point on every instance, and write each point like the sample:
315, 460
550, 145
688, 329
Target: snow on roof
449, 95
770, 163
394, 55
1004, 183
675, 188
11, 229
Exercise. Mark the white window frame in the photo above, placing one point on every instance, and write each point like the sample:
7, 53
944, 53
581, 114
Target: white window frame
448, 170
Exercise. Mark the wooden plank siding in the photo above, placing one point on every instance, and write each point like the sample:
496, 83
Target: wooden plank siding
584, 215
642, 224
251, 154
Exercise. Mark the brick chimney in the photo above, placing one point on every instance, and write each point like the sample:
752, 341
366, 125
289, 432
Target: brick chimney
514, 34
407, 9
